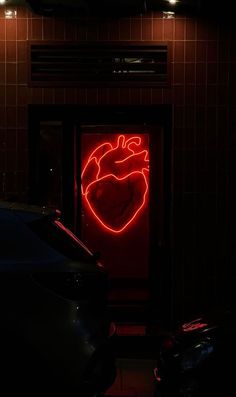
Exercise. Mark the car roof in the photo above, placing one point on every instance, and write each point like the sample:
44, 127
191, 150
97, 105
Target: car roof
29, 212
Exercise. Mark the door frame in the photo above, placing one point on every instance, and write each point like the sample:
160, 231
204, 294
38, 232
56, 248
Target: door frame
72, 117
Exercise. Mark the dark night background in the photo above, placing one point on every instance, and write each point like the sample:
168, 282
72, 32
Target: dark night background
203, 152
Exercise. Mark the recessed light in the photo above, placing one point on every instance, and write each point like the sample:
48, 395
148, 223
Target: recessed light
10, 14
168, 14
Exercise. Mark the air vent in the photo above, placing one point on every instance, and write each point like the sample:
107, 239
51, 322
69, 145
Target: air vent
64, 64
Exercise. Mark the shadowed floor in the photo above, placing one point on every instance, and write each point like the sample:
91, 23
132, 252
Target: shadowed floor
134, 378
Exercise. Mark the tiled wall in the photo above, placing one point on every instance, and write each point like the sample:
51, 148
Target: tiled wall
204, 137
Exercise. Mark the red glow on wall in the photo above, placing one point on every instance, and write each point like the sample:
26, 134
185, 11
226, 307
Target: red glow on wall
115, 182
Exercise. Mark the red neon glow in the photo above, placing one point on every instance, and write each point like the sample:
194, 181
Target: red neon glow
115, 182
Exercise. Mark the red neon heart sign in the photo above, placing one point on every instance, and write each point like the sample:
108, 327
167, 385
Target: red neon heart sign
115, 182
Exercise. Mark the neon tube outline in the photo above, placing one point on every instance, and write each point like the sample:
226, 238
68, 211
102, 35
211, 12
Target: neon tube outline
124, 144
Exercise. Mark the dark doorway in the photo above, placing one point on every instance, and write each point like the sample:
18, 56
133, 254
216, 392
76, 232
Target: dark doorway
108, 169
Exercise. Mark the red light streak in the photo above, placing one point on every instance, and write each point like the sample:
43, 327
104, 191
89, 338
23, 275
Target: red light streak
125, 161
194, 325
72, 236
156, 374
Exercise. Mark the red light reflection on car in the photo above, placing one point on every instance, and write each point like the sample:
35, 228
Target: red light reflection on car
194, 325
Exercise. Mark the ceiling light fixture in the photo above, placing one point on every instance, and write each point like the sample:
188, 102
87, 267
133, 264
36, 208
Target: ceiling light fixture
10, 14
2, 1
173, 2
168, 15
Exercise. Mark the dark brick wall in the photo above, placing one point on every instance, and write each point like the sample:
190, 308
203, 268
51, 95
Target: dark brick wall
204, 138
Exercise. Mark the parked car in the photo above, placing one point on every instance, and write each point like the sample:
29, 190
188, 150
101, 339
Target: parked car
197, 359
54, 324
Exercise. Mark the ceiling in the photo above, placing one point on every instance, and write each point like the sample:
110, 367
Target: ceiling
118, 8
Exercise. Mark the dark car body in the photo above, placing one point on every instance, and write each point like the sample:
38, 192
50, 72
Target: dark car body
198, 358
54, 325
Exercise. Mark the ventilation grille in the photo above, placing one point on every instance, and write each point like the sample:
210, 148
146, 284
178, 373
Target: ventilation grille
77, 64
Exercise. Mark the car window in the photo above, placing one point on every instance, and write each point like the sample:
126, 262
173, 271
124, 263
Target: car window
18, 244
58, 236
